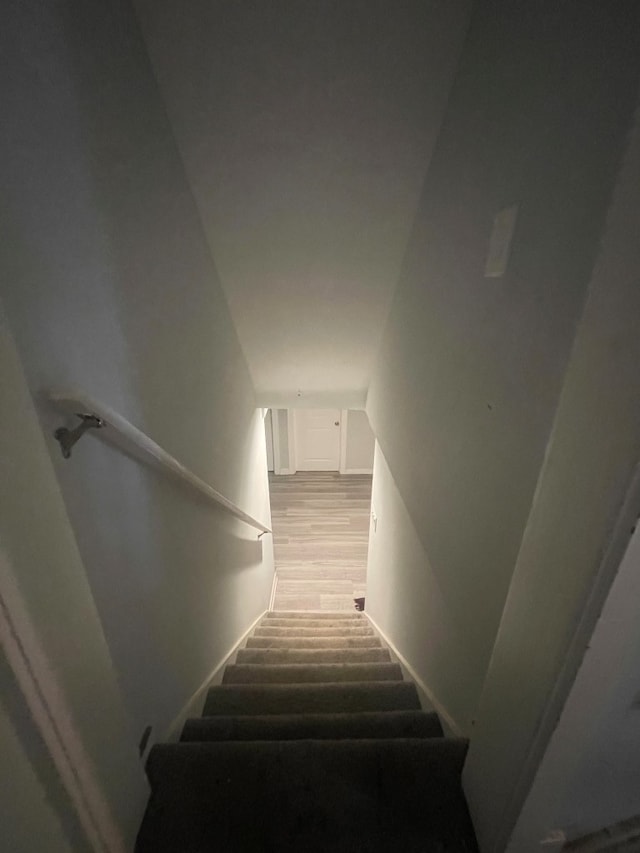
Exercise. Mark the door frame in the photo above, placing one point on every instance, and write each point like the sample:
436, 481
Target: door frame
267, 417
344, 426
343, 448
283, 464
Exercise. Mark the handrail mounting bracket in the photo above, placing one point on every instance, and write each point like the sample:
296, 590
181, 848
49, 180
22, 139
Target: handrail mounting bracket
68, 437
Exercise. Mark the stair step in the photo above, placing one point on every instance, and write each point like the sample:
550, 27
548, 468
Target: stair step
314, 614
249, 699
270, 656
340, 624
303, 673
262, 631
312, 795
297, 642
388, 724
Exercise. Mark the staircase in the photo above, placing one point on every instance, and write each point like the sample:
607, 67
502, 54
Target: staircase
313, 743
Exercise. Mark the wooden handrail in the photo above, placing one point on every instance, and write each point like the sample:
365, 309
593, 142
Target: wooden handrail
117, 431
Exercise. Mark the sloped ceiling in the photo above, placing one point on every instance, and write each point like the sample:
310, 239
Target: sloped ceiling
306, 129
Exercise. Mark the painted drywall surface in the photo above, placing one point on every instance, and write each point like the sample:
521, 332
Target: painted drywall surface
295, 399
110, 288
470, 369
360, 442
590, 776
552, 605
28, 821
403, 593
306, 130
48, 601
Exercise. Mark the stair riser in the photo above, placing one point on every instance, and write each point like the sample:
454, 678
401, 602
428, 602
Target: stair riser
307, 795
311, 643
310, 673
391, 724
312, 632
285, 656
313, 623
311, 698
444, 756
314, 616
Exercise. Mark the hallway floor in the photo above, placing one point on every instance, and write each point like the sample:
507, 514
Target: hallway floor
320, 534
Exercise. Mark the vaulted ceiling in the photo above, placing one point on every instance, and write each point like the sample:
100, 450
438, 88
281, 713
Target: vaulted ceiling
306, 129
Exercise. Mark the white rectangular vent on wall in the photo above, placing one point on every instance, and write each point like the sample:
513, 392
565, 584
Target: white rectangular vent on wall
504, 225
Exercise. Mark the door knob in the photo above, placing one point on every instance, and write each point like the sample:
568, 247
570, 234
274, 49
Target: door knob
337, 423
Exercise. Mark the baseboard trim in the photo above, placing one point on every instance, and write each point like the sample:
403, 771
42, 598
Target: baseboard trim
52, 714
348, 471
449, 722
619, 836
194, 705
274, 587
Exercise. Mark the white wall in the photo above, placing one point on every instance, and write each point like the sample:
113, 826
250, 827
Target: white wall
51, 638
585, 506
28, 820
590, 776
405, 597
110, 288
360, 442
470, 370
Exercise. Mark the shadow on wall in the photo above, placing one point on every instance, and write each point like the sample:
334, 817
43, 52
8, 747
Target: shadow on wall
105, 242
406, 600
16, 720
470, 369
193, 578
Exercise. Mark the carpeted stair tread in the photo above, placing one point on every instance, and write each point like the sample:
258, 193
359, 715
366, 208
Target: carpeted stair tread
271, 656
314, 615
360, 631
388, 724
251, 699
379, 796
297, 642
314, 673
314, 743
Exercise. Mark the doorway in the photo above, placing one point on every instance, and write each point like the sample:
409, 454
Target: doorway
321, 513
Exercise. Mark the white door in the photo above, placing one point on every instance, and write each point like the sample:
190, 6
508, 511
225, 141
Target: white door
317, 439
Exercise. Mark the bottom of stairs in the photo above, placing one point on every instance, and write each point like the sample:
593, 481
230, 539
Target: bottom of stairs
319, 777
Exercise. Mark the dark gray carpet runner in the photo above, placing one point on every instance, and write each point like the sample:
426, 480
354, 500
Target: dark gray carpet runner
313, 743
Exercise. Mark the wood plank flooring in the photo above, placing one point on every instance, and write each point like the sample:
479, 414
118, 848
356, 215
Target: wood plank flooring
320, 533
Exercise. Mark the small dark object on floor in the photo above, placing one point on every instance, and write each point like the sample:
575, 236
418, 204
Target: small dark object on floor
359, 603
